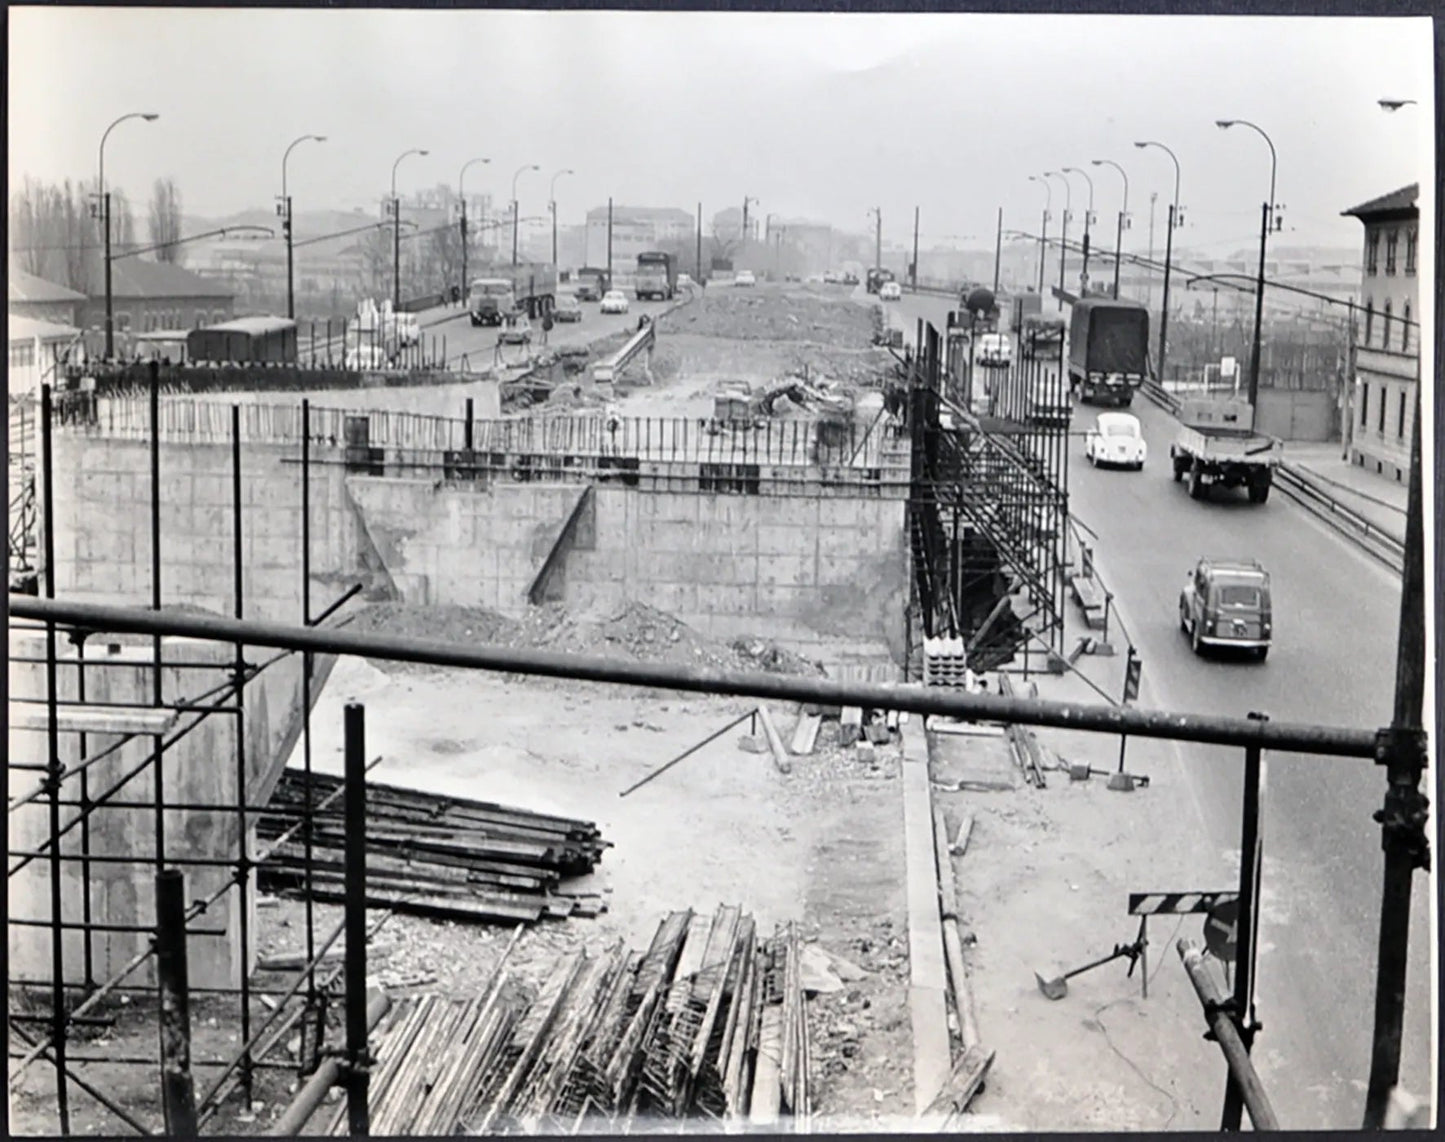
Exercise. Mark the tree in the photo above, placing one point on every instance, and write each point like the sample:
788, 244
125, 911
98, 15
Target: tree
441, 259
165, 221
376, 257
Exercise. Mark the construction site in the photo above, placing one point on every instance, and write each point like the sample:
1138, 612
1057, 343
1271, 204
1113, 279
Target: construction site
726, 730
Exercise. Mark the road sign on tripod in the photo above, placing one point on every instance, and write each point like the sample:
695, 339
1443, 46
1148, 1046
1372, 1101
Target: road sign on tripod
1221, 929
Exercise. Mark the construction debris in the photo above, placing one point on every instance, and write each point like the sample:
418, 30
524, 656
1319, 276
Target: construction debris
431, 855
707, 1023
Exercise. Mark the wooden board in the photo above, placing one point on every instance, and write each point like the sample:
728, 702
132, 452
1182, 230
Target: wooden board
94, 719
805, 736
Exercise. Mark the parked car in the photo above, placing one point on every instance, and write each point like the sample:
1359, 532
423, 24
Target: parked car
515, 330
890, 291
1226, 603
614, 301
684, 281
1116, 440
745, 278
568, 308
994, 349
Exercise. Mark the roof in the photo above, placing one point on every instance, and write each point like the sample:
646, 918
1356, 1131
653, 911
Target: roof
1108, 303
1394, 202
252, 325
29, 328
29, 288
1235, 566
137, 278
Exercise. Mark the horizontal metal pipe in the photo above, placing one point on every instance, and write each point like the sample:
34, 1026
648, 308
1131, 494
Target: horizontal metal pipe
1204, 728
309, 1097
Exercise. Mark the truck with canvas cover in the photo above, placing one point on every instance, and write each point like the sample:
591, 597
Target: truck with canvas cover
1216, 444
656, 275
1108, 350
530, 287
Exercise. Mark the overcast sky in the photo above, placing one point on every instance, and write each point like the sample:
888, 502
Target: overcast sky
822, 116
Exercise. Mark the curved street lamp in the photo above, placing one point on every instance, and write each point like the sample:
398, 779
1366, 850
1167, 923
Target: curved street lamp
1064, 233
515, 211
1266, 214
149, 117
1174, 221
552, 205
396, 230
1088, 218
283, 208
1394, 104
462, 197
1044, 228
1123, 217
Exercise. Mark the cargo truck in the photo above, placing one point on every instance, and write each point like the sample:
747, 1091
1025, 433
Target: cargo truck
530, 288
1217, 445
656, 276
1108, 350
592, 283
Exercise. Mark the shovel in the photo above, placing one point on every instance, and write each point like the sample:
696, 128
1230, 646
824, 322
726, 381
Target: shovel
1058, 987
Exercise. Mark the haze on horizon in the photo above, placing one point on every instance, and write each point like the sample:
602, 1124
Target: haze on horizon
815, 115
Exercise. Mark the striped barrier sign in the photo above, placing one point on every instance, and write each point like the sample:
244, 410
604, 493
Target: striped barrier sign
1177, 903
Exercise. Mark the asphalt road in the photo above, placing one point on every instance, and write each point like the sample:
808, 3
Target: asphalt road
1336, 614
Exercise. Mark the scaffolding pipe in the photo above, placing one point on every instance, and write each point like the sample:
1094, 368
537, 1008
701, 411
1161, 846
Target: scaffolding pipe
177, 1085
1222, 1028
357, 1075
243, 862
310, 1096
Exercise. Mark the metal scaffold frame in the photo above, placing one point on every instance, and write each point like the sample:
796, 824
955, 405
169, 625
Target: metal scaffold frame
1400, 748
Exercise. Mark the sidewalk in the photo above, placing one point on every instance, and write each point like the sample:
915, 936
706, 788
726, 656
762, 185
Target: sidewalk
1379, 500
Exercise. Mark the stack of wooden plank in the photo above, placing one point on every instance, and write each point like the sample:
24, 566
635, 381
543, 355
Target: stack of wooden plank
680, 1031
432, 855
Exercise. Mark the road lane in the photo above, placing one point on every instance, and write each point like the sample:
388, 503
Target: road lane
1336, 615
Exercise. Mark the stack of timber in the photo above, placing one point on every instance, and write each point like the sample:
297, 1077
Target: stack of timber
432, 855
707, 1024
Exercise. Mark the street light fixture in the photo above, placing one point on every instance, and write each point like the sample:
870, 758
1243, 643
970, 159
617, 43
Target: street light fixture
1395, 104
1088, 218
396, 231
1175, 219
462, 197
1265, 221
1123, 217
1044, 228
515, 211
104, 196
552, 202
1064, 235
283, 208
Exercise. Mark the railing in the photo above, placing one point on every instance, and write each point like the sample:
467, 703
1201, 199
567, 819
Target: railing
1367, 535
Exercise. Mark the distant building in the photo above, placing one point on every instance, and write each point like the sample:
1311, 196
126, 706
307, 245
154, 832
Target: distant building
37, 350
147, 296
635, 229
30, 296
1381, 406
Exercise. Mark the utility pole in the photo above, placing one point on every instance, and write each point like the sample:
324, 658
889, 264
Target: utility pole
462, 196
1265, 212
609, 243
1149, 294
914, 274
878, 238
699, 244
1347, 415
998, 251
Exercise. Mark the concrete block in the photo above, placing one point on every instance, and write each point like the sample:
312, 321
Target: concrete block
729, 599
675, 598
786, 570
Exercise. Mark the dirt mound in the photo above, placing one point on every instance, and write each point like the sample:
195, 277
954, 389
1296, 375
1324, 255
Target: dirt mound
774, 316
761, 654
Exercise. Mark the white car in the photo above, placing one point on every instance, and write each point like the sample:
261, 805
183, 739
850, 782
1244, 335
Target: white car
614, 301
890, 291
745, 278
1116, 440
994, 349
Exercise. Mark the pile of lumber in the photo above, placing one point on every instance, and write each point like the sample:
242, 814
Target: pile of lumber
433, 855
708, 1023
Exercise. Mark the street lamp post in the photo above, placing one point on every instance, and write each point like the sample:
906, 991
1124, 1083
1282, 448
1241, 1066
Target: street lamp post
396, 231
104, 196
1265, 216
877, 212
1123, 218
1174, 220
1088, 218
1064, 236
552, 202
516, 214
284, 209
746, 202
1044, 226
462, 197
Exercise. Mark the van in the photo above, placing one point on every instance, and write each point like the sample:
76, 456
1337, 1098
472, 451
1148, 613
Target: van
1227, 603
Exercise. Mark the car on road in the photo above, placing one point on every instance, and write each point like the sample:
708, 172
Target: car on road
614, 301
568, 308
684, 281
515, 330
745, 278
1117, 441
994, 349
890, 291
1226, 603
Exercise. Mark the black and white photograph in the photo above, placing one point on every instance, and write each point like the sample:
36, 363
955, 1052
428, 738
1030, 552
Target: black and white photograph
641, 571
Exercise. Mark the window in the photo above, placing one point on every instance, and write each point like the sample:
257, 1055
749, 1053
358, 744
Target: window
1412, 243
1364, 405
1384, 400
1400, 426
1372, 253
1405, 330
1385, 325
22, 354
1369, 320
1392, 246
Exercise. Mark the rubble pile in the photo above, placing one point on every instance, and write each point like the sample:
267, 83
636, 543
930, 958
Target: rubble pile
774, 316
